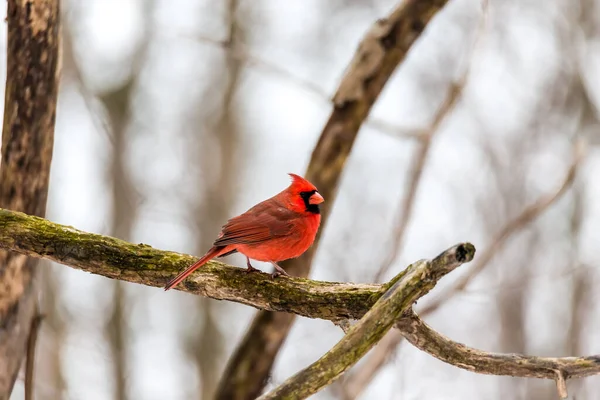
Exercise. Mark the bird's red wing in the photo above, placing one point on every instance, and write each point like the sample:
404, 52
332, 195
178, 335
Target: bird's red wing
259, 224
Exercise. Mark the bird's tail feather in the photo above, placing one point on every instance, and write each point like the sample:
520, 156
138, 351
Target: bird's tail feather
212, 253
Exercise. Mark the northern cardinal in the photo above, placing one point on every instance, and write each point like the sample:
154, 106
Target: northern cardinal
274, 230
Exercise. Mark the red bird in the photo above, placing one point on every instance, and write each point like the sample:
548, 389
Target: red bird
279, 228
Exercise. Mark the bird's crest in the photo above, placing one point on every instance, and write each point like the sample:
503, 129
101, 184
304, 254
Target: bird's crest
301, 184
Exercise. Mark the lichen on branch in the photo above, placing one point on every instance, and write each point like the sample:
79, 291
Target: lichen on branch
379, 306
143, 264
416, 282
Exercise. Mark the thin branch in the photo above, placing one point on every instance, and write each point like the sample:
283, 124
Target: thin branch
418, 280
140, 263
73, 70
561, 384
30, 360
212, 203
362, 377
420, 158
527, 216
378, 358
242, 54
419, 334
382, 49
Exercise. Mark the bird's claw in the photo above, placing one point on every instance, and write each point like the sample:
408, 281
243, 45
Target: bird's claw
249, 266
278, 271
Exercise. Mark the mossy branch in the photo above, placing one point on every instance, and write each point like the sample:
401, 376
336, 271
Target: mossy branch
140, 263
379, 306
416, 282
381, 50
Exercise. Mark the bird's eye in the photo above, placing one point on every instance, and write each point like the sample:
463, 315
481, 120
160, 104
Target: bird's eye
306, 195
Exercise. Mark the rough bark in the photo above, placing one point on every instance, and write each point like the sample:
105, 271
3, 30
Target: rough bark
424, 338
416, 282
27, 140
383, 48
140, 263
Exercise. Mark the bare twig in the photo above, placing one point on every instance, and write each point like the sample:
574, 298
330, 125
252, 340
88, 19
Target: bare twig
528, 215
241, 53
419, 334
73, 70
382, 49
30, 360
362, 377
417, 281
561, 384
420, 158
374, 363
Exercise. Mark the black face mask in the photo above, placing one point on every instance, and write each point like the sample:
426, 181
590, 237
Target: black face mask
312, 208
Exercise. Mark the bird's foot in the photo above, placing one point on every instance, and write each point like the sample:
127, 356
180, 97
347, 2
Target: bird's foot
250, 268
278, 271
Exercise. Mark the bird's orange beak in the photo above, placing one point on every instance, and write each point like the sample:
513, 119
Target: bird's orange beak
316, 198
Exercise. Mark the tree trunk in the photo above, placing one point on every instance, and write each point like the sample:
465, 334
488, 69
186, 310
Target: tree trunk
27, 139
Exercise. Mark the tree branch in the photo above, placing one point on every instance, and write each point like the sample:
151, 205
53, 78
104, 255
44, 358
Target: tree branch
382, 49
527, 216
416, 282
377, 359
140, 263
34, 331
243, 55
27, 139
420, 335
426, 136
114, 258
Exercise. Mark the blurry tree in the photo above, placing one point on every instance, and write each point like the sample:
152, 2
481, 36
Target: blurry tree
582, 275
546, 100
125, 202
27, 145
50, 383
511, 303
211, 205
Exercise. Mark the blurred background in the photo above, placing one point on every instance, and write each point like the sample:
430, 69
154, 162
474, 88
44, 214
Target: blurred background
175, 115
